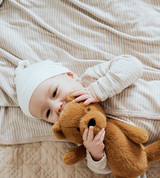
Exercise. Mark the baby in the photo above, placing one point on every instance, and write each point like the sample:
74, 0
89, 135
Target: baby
43, 86
42, 89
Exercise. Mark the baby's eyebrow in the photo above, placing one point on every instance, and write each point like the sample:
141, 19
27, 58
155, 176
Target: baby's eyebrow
49, 90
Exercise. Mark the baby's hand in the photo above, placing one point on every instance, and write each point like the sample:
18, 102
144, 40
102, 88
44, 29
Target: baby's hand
86, 94
93, 144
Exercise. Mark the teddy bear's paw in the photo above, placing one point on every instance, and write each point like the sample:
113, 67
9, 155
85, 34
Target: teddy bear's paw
75, 155
70, 158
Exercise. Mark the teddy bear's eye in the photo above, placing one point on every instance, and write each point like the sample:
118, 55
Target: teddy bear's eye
88, 109
78, 129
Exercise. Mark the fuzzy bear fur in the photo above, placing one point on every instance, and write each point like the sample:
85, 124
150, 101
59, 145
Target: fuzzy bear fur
126, 155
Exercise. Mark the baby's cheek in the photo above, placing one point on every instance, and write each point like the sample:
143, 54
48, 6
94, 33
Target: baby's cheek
53, 119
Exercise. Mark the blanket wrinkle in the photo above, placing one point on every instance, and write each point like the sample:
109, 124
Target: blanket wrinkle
109, 19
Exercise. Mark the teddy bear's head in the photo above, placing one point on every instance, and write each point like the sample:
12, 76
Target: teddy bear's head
76, 117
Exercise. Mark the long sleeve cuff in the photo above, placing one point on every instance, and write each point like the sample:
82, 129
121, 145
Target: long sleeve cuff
99, 167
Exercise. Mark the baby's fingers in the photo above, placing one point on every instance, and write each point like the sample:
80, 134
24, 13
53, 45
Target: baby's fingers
85, 134
100, 135
80, 98
88, 101
90, 133
79, 92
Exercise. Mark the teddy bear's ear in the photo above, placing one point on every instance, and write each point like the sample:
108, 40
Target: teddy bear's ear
57, 131
70, 97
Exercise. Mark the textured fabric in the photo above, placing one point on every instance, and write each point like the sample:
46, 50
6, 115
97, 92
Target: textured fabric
40, 160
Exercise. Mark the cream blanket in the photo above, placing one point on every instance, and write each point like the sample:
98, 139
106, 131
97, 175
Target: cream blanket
77, 33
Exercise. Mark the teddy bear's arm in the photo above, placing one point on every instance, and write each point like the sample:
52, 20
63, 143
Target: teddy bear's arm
153, 151
75, 155
136, 134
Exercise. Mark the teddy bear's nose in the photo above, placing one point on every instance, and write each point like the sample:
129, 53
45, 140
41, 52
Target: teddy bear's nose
91, 122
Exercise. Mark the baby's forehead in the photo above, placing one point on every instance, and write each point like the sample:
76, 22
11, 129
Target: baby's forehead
51, 82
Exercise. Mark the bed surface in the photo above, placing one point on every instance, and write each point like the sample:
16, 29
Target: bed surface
79, 34
44, 160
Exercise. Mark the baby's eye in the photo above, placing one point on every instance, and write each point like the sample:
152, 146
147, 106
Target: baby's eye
48, 113
54, 93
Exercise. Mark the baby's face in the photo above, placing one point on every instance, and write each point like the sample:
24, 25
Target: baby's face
49, 98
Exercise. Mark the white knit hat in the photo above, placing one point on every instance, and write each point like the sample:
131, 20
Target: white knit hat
28, 77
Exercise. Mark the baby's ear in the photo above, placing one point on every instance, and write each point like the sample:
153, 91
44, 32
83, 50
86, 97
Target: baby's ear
57, 131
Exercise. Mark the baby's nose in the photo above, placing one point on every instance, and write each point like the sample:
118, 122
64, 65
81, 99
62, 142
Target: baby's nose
91, 122
59, 108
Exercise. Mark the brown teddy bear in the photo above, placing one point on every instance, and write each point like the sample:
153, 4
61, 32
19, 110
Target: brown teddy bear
126, 155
